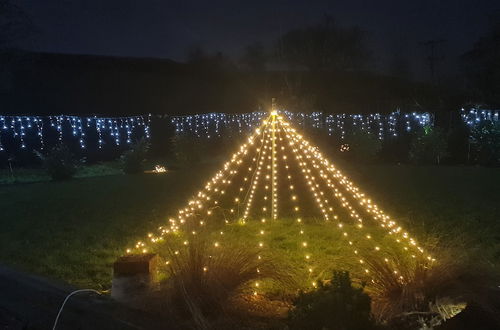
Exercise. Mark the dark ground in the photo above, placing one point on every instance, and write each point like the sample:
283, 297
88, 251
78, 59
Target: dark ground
30, 303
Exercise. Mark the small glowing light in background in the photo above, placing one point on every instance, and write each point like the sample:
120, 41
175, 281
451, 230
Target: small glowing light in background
345, 147
160, 169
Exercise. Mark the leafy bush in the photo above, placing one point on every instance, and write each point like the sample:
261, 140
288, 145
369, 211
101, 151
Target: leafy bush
204, 277
58, 162
485, 139
134, 158
429, 146
335, 305
363, 146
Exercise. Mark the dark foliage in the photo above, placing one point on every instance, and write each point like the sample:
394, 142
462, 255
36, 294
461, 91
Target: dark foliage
189, 149
59, 162
254, 58
459, 144
161, 138
133, 159
363, 147
335, 305
324, 46
481, 66
429, 146
485, 141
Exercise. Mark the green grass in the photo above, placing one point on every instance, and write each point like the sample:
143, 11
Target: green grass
30, 175
447, 201
74, 230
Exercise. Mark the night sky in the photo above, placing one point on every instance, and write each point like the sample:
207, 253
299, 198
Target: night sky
166, 29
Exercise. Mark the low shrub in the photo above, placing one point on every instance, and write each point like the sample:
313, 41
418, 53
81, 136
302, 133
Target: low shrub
58, 162
134, 158
334, 305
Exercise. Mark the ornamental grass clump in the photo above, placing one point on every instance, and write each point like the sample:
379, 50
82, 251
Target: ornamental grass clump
204, 276
430, 293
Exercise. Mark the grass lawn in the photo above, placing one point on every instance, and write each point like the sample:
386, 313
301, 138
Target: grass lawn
28, 175
74, 230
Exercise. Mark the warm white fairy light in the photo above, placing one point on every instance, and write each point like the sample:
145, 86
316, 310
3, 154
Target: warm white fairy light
299, 139
294, 198
274, 171
261, 157
370, 208
276, 145
196, 204
306, 177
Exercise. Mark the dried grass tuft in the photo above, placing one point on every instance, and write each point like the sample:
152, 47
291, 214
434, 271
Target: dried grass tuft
431, 293
204, 278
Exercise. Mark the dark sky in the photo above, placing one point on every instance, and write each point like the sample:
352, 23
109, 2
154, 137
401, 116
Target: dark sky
161, 28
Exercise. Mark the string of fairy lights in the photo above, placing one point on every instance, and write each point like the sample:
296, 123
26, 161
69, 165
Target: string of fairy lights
383, 125
32, 132
252, 187
473, 117
35, 132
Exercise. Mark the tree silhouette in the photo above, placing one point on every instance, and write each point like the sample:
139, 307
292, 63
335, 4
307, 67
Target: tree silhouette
482, 65
325, 46
254, 57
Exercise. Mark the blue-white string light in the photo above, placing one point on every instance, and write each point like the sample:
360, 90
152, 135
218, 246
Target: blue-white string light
212, 124
474, 117
120, 129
